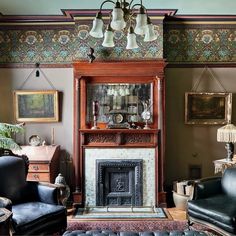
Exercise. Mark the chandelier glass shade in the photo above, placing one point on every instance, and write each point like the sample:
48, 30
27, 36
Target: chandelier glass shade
122, 18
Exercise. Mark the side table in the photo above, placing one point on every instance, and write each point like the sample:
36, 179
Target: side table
221, 165
5, 216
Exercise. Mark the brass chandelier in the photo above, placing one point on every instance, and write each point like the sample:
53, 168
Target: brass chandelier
122, 17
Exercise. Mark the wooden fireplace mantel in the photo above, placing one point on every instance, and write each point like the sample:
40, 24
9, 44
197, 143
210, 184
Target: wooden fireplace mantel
119, 138
85, 137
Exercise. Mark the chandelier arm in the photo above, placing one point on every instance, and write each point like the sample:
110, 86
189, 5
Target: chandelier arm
138, 4
106, 2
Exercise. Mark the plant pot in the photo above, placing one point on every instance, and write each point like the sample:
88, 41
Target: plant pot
180, 200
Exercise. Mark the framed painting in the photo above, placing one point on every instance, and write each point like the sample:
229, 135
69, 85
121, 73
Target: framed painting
208, 108
36, 106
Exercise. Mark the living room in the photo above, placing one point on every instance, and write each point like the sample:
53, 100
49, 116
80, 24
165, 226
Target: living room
47, 46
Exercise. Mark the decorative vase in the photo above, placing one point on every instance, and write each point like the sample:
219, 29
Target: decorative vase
64, 189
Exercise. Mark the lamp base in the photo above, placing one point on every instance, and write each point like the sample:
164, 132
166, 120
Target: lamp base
230, 151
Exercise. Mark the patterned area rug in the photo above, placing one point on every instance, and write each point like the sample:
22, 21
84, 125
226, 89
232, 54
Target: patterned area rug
124, 225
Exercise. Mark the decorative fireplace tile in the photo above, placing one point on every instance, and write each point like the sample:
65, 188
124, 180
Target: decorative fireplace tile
145, 154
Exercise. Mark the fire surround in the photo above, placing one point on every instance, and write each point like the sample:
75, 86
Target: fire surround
147, 155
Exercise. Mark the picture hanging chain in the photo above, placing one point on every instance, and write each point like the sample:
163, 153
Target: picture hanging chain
195, 86
37, 71
28, 77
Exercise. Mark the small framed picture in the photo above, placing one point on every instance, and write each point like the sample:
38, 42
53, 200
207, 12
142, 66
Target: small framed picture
208, 108
36, 106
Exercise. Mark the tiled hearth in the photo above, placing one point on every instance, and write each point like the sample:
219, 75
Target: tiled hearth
146, 155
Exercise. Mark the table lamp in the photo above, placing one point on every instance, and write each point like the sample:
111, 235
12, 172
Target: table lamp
227, 134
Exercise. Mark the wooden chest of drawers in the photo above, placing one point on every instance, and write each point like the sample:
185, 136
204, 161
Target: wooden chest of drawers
43, 162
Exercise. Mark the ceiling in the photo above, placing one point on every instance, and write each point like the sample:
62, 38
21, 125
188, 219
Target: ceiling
53, 7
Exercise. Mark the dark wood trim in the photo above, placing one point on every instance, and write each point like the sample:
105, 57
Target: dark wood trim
168, 65
196, 18
120, 68
201, 65
70, 15
44, 65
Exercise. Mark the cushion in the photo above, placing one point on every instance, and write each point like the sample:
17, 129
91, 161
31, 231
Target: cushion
215, 210
35, 214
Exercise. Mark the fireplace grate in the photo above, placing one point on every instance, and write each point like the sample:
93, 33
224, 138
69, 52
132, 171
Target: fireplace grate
119, 182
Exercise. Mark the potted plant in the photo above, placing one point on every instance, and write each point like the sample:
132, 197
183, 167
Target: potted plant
6, 140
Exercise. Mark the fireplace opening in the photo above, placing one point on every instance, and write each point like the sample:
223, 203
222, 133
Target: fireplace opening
119, 182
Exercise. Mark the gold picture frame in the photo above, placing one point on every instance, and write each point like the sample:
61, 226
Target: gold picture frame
208, 108
36, 105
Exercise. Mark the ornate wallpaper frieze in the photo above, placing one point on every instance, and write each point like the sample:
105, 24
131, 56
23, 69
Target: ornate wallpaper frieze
183, 44
65, 45
200, 43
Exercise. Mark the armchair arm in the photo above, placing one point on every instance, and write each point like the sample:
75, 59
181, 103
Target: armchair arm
207, 187
45, 192
5, 203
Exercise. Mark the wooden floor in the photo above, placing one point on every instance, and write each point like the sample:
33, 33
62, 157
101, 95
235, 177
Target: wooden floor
177, 214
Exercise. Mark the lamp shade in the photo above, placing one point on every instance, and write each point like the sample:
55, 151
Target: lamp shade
108, 38
96, 30
150, 34
227, 134
131, 39
118, 22
141, 22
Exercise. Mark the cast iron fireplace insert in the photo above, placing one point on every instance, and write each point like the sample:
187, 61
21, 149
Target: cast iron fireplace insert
119, 182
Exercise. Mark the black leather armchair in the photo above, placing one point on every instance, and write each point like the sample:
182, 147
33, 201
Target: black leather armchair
35, 206
214, 203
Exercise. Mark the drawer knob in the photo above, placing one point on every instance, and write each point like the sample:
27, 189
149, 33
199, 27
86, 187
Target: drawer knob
35, 167
36, 176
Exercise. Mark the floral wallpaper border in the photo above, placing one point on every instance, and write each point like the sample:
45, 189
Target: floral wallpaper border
208, 43
177, 43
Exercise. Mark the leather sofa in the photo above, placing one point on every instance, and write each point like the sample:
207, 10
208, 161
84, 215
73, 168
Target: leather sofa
35, 206
112, 233
214, 203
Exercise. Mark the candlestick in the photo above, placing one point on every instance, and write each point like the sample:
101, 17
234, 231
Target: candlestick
95, 108
52, 136
95, 114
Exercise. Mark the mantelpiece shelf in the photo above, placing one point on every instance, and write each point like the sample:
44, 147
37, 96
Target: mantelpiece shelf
119, 137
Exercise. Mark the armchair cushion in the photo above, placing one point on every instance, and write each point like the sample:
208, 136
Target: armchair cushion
43, 192
36, 216
216, 209
214, 203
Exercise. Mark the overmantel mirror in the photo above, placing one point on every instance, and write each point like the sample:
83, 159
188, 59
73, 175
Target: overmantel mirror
120, 105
